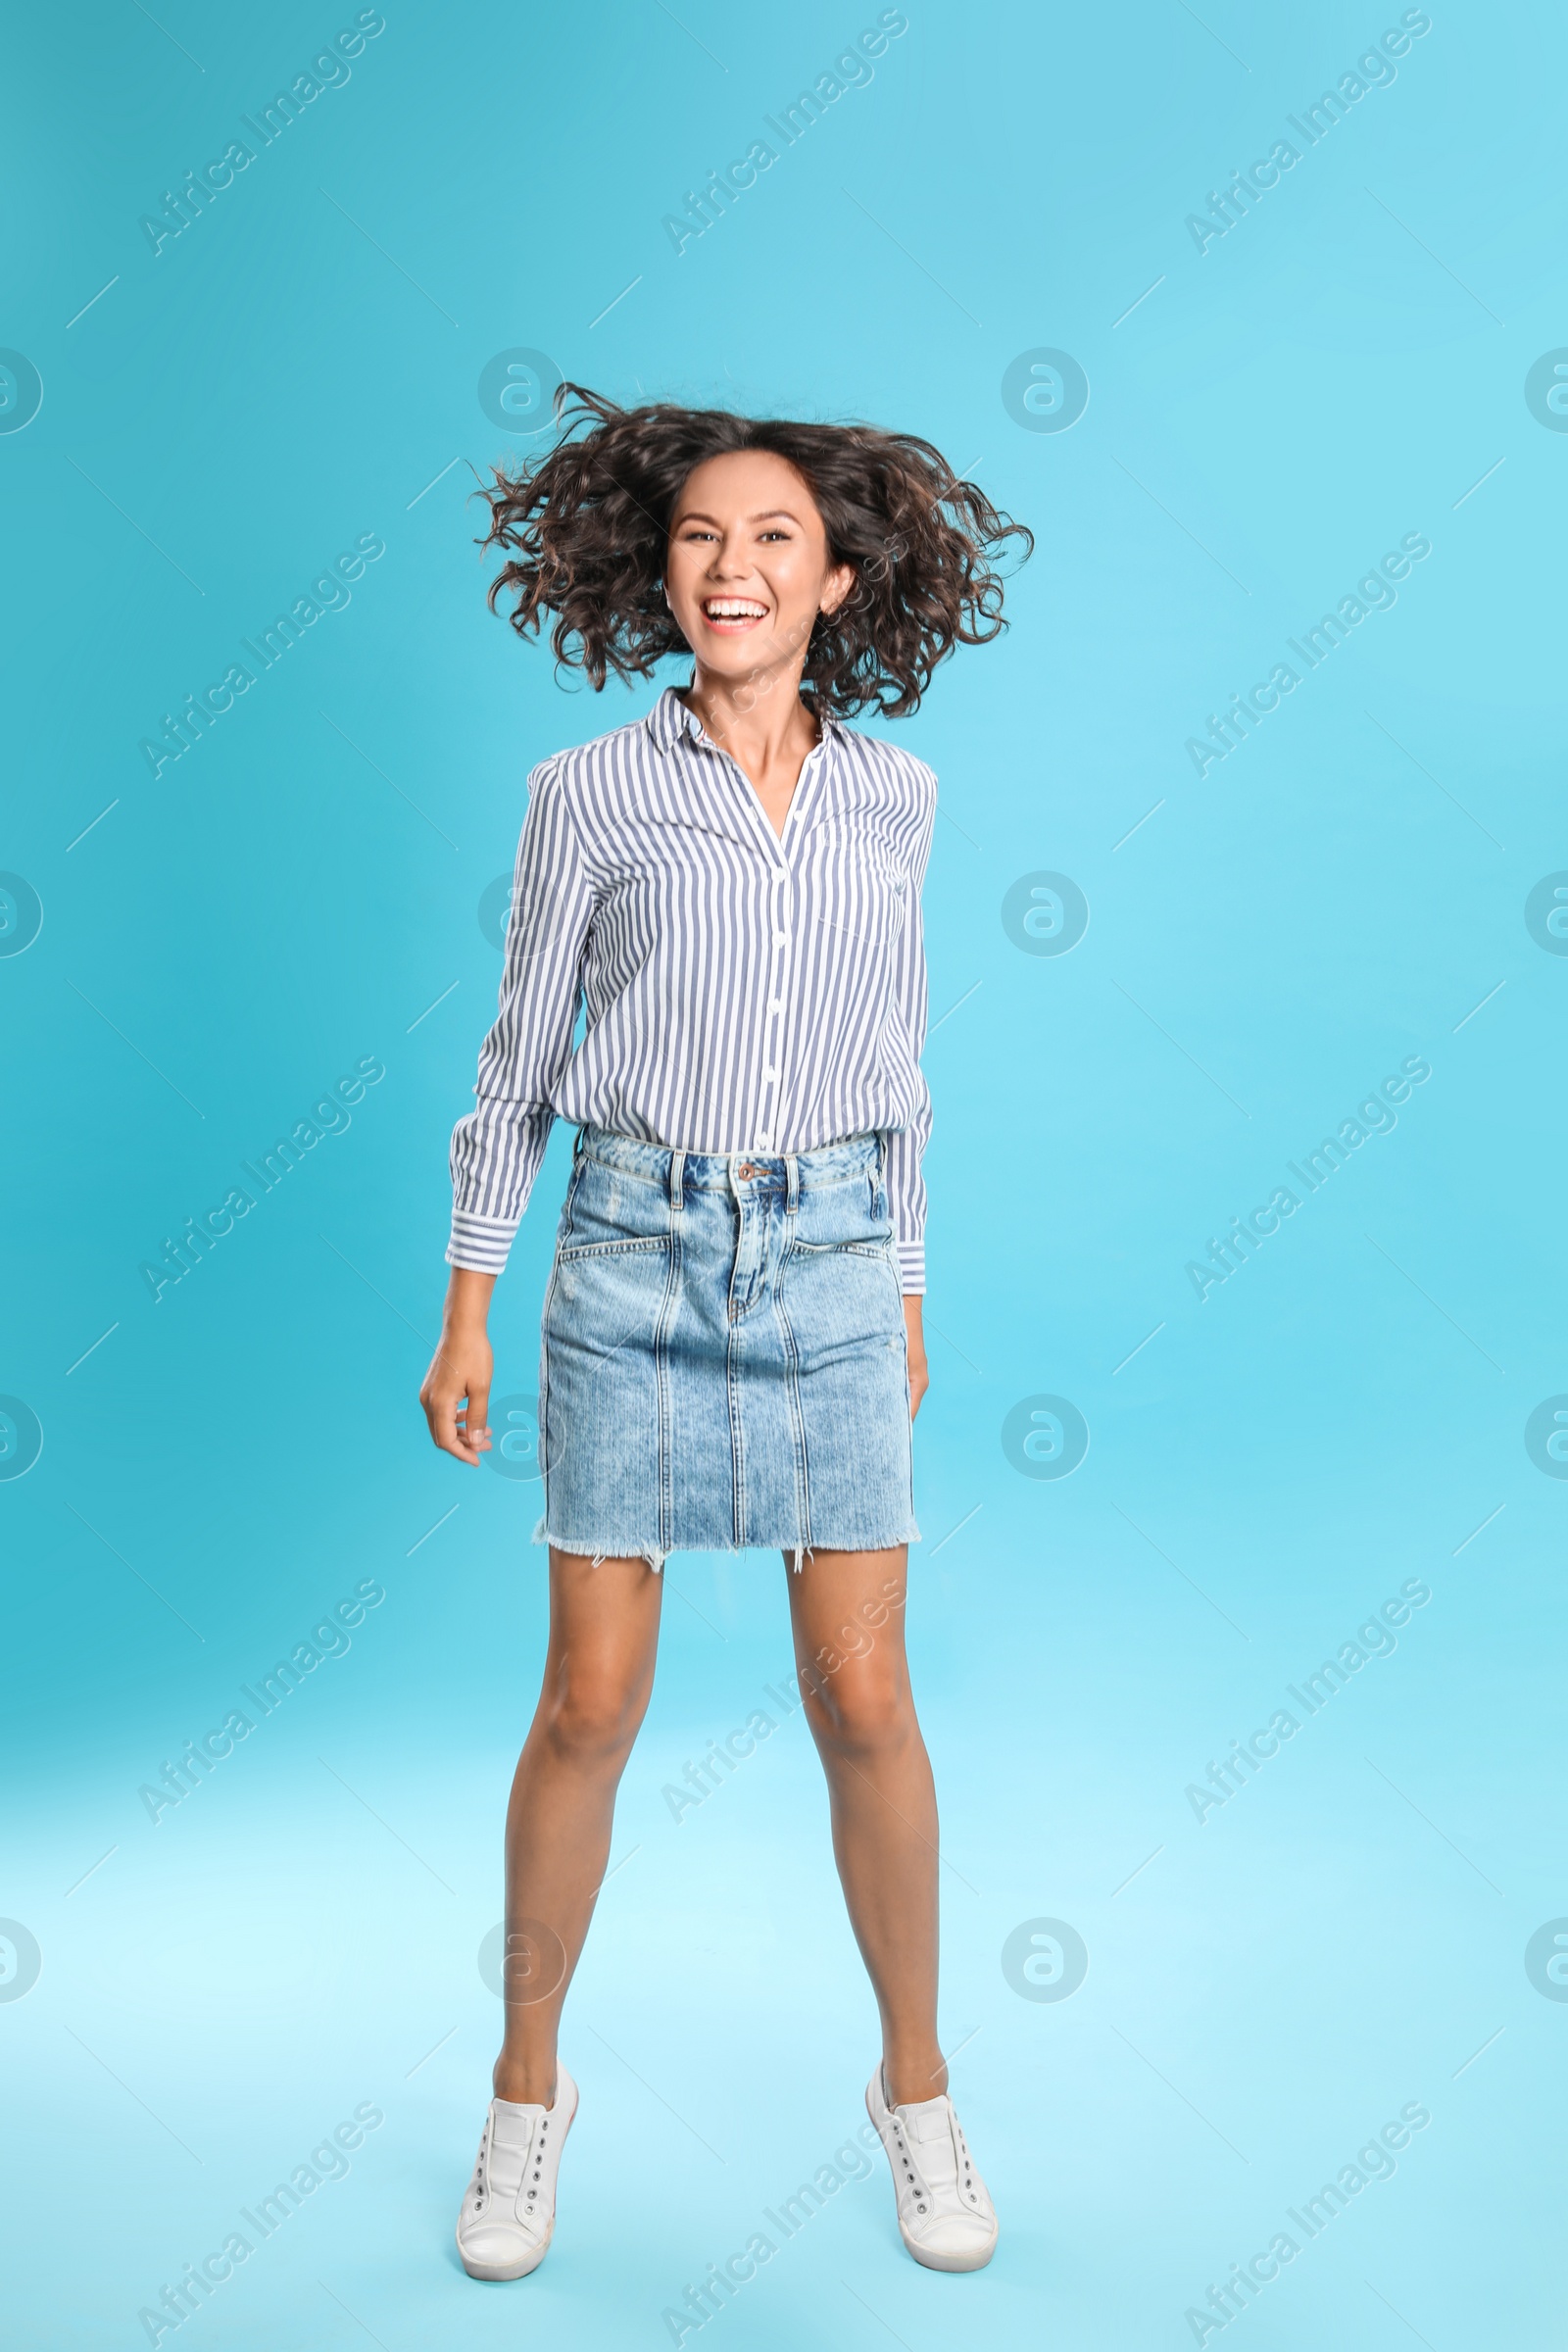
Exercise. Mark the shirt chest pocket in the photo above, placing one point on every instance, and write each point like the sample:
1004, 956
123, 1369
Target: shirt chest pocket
861, 892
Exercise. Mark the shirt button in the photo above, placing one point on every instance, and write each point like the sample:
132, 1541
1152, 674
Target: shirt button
781, 939
763, 1142
775, 1004
769, 1076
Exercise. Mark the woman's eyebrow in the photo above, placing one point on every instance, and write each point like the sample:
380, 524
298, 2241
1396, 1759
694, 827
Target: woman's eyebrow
769, 514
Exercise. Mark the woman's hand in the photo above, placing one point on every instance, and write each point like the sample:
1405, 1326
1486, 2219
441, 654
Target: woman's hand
456, 1395
919, 1382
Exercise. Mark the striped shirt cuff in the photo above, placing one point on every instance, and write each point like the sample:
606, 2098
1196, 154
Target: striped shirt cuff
912, 1267
480, 1244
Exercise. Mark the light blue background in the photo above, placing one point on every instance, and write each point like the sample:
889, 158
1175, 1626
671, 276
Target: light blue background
300, 890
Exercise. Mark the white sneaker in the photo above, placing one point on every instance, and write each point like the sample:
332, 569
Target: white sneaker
946, 2217
509, 2215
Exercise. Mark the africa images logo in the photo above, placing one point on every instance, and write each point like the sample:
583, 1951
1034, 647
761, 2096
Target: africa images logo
1045, 1436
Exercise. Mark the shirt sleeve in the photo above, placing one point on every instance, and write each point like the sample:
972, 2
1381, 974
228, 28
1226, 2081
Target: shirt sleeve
906, 1145
496, 1150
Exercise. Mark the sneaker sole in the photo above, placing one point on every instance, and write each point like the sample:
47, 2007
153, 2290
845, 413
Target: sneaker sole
497, 2272
950, 2262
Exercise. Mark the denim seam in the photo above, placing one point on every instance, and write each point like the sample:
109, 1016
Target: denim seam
544, 1327
664, 1436
573, 1255
692, 1184
821, 1184
737, 1434
802, 1460
838, 1248
569, 1204
544, 1383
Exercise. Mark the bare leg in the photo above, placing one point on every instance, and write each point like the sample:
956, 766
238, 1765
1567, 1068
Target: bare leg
598, 1671
846, 1608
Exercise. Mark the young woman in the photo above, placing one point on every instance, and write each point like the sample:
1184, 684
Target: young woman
732, 1355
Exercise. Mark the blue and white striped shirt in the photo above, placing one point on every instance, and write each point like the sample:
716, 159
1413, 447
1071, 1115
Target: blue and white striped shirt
741, 992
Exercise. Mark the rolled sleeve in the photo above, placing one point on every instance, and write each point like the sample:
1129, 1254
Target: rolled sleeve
911, 1268
497, 1148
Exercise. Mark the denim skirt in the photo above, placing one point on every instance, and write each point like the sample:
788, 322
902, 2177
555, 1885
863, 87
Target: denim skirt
723, 1362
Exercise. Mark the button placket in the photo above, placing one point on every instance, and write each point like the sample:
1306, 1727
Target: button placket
778, 987
768, 1138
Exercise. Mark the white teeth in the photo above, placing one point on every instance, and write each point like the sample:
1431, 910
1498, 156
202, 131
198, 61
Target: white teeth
718, 608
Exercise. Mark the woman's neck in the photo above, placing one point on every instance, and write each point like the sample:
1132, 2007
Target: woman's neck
762, 724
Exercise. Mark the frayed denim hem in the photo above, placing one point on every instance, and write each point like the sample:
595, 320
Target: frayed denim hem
597, 1552
656, 1558
804, 1552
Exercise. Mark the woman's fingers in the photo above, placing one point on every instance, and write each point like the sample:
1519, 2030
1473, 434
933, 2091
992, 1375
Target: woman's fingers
441, 1405
455, 1397
478, 1425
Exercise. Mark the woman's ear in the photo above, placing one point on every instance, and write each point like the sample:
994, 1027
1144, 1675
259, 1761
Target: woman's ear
836, 587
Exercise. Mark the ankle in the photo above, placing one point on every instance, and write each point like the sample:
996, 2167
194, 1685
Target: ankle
907, 2080
525, 2082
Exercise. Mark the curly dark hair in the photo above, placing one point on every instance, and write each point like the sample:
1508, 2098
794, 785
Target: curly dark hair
586, 528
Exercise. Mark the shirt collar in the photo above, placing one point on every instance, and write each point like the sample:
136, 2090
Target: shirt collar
669, 719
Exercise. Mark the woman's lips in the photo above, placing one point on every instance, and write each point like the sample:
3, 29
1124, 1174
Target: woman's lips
732, 615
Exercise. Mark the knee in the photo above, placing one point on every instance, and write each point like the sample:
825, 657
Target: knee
593, 1719
859, 1713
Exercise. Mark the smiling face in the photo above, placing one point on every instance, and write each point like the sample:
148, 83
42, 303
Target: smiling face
748, 568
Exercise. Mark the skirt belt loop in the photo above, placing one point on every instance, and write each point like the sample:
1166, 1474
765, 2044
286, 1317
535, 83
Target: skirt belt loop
792, 1184
677, 1170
